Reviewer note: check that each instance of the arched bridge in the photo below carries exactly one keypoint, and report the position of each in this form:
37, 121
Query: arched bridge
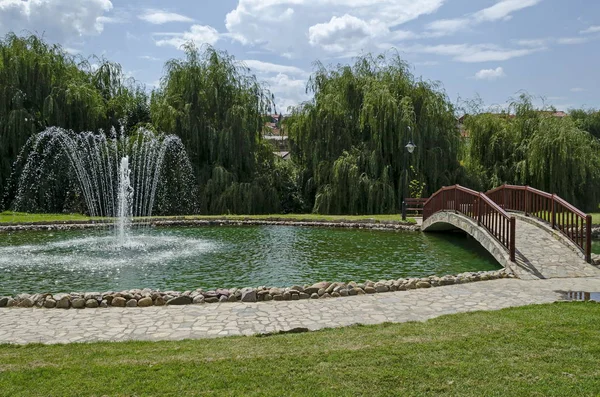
533, 233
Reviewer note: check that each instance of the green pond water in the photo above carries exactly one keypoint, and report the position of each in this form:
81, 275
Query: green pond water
596, 246
231, 256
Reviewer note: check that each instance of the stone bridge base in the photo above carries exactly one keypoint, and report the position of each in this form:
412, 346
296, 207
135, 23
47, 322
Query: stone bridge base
446, 220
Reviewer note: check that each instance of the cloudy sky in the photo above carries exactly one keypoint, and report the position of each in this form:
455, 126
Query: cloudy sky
490, 48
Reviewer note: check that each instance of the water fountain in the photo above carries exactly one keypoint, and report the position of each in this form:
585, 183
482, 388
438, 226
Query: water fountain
123, 177
118, 175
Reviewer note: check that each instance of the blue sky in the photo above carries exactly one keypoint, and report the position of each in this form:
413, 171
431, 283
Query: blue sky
488, 48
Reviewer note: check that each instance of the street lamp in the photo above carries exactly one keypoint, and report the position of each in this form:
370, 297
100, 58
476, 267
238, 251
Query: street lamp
410, 147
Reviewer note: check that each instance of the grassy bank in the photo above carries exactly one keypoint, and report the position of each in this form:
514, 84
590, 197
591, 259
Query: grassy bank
549, 350
596, 218
19, 217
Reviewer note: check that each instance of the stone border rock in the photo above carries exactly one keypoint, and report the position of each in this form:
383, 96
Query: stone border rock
322, 290
384, 225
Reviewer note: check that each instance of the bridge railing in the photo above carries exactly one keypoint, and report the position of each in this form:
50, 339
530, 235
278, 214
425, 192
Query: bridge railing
561, 215
477, 206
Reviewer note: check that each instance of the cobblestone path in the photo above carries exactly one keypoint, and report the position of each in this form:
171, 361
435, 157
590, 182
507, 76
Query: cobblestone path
21, 326
539, 254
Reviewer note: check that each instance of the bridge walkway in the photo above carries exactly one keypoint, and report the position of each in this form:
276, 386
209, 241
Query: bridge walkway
535, 234
540, 254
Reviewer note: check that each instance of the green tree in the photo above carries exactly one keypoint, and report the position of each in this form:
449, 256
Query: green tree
527, 146
217, 108
41, 86
350, 140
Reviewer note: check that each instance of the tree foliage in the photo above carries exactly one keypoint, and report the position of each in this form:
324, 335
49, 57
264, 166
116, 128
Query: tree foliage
587, 120
350, 140
347, 143
526, 146
42, 86
217, 108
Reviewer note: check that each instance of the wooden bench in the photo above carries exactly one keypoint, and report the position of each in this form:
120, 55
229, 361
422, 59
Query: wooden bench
414, 205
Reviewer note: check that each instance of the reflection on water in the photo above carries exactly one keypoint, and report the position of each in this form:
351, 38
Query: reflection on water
582, 296
209, 257
596, 247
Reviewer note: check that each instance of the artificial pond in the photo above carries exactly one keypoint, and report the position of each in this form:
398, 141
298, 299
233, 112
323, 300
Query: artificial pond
226, 256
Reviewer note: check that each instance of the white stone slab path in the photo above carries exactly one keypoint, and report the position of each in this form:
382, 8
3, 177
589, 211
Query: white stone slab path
21, 326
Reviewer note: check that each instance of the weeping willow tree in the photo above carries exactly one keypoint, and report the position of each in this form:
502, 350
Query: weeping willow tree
217, 108
42, 86
526, 146
587, 120
349, 142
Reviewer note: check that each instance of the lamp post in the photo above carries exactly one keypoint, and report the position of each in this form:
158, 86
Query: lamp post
410, 147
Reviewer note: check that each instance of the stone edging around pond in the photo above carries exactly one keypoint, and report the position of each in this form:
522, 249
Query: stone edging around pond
595, 231
215, 222
321, 290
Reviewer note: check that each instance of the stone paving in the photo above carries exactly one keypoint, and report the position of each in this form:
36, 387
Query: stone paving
541, 254
22, 326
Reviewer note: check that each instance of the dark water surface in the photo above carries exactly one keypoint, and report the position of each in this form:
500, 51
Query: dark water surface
231, 256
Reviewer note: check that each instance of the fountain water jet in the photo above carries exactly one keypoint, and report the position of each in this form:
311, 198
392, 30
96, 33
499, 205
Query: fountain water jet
124, 200
118, 176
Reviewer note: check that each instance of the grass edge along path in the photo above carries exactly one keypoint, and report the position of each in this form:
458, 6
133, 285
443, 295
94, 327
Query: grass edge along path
8, 218
541, 350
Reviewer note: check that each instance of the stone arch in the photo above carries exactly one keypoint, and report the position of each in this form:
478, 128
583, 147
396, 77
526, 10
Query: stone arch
448, 220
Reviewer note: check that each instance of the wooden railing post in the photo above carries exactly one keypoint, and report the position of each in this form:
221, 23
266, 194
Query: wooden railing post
455, 205
478, 213
512, 238
588, 239
526, 197
554, 211
503, 197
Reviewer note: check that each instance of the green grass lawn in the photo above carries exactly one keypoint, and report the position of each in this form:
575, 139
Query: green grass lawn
19, 217
547, 350
595, 218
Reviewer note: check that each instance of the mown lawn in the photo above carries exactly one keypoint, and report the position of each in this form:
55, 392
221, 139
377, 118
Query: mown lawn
549, 350
19, 217
595, 218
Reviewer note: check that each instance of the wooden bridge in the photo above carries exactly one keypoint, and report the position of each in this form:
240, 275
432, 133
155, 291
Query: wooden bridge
533, 233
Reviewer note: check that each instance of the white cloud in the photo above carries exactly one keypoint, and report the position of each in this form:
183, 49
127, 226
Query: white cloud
443, 27
427, 63
288, 91
345, 33
545, 42
153, 84
591, 29
109, 20
149, 58
159, 17
472, 53
287, 83
284, 26
59, 20
502, 10
71, 50
578, 89
532, 42
266, 67
131, 36
490, 74
572, 40
198, 34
